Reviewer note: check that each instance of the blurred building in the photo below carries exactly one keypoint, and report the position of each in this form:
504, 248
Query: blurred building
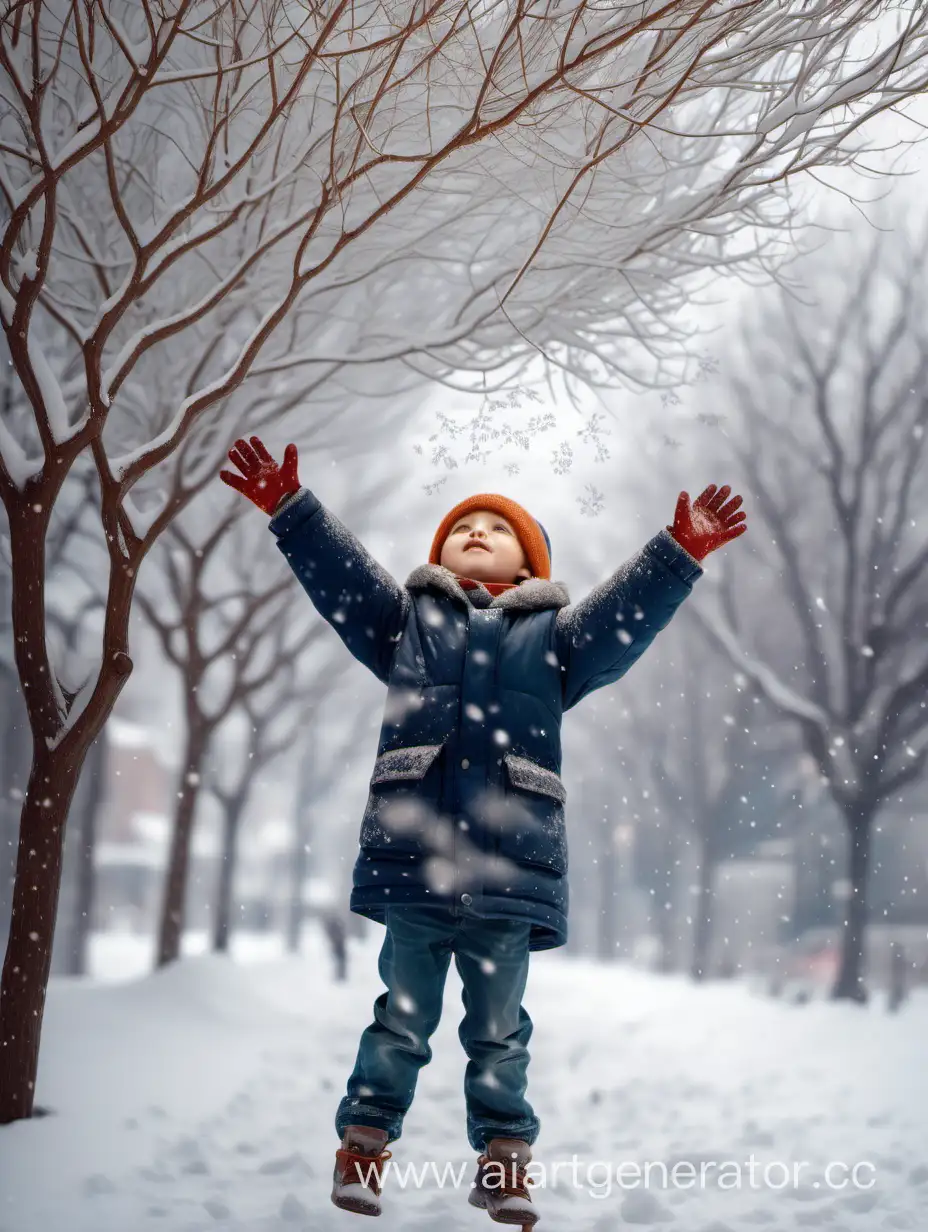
133, 838
753, 897
133, 835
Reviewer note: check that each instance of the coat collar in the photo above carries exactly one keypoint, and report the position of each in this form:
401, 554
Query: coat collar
532, 595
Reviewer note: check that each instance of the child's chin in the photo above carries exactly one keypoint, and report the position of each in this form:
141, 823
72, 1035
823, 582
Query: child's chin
479, 574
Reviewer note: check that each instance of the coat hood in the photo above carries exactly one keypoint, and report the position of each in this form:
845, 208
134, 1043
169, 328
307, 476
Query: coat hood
532, 595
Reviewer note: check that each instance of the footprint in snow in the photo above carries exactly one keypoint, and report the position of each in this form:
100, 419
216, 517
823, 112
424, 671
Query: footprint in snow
287, 1163
807, 1192
642, 1207
900, 1219
196, 1167
859, 1202
155, 1174
98, 1184
292, 1209
814, 1219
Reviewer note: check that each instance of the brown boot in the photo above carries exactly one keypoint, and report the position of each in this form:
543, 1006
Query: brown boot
501, 1186
359, 1169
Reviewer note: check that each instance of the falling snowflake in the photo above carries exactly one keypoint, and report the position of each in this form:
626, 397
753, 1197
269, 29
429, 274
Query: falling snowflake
491, 429
562, 459
441, 453
593, 433
592, 505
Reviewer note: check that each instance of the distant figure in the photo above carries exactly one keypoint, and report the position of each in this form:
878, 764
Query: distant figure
727, 967
898, 978
335, 932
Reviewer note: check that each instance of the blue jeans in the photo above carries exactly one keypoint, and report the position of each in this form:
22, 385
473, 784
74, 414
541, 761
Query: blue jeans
492, 957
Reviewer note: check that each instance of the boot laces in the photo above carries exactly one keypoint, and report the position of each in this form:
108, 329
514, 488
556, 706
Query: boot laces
365, 1170
508, 1189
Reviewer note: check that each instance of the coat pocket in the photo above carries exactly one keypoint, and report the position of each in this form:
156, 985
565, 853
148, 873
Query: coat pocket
412, 763
536, 833
402, 817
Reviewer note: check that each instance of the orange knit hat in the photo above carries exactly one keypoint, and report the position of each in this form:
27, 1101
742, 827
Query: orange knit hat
531, 533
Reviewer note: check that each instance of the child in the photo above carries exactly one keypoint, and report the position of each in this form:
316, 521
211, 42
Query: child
463, 846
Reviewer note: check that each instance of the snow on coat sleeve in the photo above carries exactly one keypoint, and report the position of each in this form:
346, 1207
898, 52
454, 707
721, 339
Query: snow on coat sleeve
600, 637
359, 599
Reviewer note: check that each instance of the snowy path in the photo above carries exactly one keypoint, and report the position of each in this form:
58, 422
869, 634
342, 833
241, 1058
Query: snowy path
204, 1098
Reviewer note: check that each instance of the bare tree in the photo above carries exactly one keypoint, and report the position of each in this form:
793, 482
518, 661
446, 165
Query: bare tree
315, 778
14, 767
698, 770
236, 629
832, 448
178, 176
72, 935
273, 725
227, 633
280, 718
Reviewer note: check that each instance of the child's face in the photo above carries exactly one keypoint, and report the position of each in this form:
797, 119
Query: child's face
482, 545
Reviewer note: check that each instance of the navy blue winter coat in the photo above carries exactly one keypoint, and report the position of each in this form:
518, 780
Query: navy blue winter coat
466, 802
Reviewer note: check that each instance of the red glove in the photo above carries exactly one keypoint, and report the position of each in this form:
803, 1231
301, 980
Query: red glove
264, 482
709, 523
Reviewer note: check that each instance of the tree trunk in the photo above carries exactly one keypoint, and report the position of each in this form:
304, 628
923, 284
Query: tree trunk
175, 889
664, 905
15, 755
302, 833
32, 927
59, 748
233, 809
82, 923
607, 933
299, 867
702, 925
850, 983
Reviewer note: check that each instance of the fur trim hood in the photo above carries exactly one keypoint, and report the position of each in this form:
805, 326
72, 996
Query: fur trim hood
532, 595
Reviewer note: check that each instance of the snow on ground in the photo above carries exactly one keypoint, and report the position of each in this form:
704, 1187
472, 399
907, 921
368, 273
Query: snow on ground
203, 1098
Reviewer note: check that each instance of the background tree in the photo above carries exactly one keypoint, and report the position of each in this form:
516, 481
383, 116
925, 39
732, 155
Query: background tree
217, 637
315, 778
236, 628
710, 753
831, 446
683, 765
279, 719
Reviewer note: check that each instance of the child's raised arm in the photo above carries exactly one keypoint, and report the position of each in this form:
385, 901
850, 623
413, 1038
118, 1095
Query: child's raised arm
348, 587
603, 635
